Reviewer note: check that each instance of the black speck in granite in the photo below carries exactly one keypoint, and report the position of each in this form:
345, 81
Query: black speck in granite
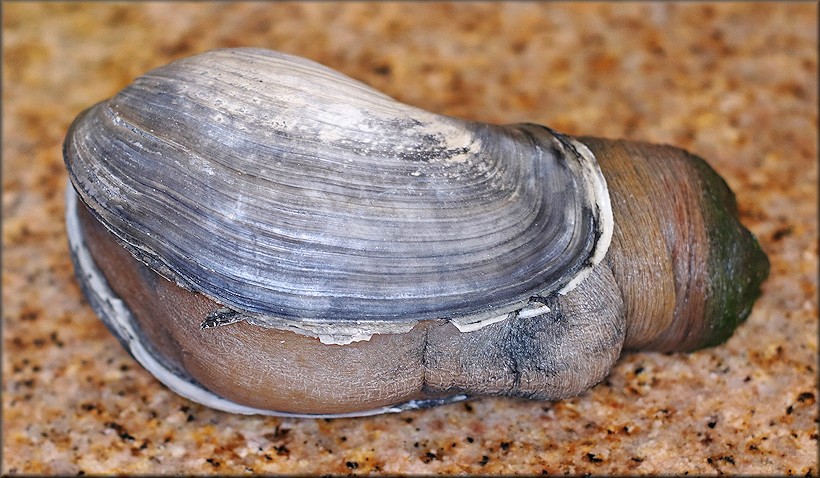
782, 232
805, 396
124, 435
383, 70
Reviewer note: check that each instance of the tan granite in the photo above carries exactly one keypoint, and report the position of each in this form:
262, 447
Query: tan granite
734, 83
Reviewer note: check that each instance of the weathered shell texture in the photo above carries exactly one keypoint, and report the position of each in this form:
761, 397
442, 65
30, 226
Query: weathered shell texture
287, 191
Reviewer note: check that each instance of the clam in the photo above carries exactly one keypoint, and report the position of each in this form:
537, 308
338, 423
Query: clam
266, 235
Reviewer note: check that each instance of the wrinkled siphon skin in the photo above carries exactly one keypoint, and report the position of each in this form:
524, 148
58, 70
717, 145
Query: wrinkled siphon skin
675, 214
680, 273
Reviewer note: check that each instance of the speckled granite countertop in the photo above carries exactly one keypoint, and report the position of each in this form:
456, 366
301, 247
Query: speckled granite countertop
734, 83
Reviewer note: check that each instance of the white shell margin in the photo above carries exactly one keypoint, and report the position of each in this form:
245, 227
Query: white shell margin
596, 189
113, 311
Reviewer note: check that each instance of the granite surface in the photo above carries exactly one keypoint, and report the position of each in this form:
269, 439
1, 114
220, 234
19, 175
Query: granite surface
734, 83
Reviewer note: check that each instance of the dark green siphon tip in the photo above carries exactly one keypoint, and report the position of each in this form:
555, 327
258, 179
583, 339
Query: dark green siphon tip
737, 265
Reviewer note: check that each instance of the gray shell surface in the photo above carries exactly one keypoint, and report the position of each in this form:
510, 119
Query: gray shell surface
293, 194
